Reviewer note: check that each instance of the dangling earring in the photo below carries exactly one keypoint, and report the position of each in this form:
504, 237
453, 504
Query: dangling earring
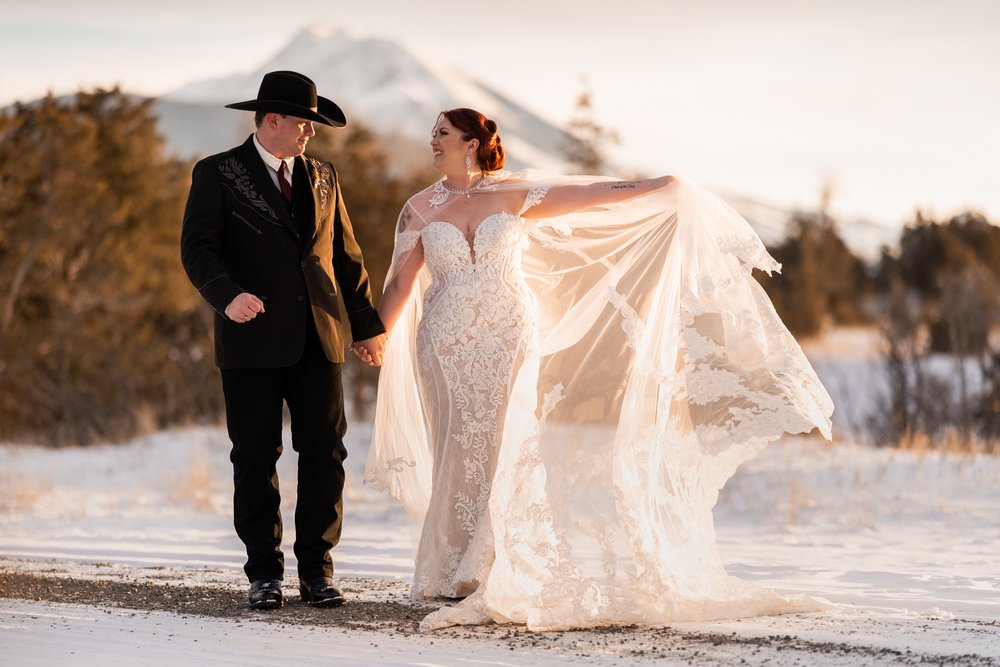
468, 161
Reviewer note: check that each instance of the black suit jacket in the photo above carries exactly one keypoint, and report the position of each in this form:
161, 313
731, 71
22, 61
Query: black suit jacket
239, 235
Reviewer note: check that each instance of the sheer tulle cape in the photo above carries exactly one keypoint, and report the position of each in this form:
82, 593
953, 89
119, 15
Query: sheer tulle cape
660, 367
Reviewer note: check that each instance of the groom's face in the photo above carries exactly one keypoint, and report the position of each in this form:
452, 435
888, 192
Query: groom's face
288, 135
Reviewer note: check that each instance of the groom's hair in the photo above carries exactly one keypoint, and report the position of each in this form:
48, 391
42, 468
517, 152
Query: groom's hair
258, 117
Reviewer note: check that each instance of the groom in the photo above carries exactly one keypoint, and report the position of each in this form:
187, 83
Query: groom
267, 242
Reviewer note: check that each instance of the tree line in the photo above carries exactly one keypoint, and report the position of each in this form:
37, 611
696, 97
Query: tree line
936, 303
101, 334
103, 337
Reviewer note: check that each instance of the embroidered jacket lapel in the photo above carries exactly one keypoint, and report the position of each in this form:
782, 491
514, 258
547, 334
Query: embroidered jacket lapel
321, 182
265, 186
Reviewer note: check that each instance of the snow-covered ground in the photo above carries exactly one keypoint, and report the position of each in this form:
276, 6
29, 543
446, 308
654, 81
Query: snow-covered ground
905, 545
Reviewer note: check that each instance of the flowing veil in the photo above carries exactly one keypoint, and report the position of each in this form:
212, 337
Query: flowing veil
659, 367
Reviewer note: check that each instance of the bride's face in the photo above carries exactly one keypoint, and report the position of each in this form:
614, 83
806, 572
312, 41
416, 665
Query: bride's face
448, 147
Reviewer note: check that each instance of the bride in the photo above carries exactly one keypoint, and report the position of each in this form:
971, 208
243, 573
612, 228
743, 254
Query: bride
575, 367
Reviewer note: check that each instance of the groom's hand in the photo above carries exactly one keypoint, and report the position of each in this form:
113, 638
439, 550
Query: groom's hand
244, 308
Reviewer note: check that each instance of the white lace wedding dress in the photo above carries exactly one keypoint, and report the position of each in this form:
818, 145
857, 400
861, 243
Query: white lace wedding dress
479, 323
563, 399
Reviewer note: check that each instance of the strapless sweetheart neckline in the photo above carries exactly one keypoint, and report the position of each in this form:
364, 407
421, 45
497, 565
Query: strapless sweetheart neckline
475, 232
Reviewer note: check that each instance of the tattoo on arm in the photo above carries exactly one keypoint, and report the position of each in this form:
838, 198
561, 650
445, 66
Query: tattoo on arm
404, 218
624, 185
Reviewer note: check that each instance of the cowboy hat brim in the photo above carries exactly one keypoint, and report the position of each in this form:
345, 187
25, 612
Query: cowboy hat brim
327, 112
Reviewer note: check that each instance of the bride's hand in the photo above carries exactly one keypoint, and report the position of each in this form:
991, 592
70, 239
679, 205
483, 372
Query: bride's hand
361, 353
370, 350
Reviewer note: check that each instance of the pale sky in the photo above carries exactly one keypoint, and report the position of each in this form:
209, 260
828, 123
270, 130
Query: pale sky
895, 102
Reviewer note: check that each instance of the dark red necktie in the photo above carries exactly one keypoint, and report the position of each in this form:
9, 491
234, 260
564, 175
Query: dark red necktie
286, 187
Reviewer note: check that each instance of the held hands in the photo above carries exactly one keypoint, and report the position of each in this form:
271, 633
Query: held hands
244, 308
370, 350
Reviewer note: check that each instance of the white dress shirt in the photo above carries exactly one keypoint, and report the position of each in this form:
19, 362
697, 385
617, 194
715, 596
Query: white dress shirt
274, 163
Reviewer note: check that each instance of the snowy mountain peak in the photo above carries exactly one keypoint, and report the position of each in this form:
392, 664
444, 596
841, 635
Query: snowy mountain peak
325, 32
388, 87
393, 90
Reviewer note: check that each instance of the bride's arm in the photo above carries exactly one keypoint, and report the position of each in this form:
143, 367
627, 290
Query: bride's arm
562, 199
398, 290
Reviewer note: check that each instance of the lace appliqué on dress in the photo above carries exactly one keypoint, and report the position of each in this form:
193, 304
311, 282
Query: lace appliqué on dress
535, 195
632, 324
438, 195
574, 480
477, 327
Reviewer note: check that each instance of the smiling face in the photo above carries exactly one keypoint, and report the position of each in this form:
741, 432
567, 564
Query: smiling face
285, 136
450, 149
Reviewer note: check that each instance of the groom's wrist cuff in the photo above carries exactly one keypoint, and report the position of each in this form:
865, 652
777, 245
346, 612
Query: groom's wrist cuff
219, 292
365, 323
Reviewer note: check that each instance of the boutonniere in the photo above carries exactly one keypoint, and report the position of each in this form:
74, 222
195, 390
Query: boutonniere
322, 180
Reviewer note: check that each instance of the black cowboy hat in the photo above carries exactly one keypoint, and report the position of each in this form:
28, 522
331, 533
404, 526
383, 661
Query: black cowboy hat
293, 94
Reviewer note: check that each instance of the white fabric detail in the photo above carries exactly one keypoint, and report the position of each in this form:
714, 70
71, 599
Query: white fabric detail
562, 400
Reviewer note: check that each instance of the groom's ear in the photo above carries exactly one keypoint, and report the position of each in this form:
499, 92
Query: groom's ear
262, 117
271, 119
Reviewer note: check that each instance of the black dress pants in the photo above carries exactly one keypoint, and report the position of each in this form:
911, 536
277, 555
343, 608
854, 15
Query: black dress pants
313, 391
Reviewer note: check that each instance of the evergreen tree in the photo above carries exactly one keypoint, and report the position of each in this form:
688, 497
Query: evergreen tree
822, 282
586, 140
99, 328
949, 272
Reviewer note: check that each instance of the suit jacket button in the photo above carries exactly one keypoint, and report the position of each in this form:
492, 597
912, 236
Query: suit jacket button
301, 298
303, 265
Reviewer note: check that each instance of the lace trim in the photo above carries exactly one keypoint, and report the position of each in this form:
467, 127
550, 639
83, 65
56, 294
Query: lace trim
535, 195
438, 195
405, 242
750, 251
632, 324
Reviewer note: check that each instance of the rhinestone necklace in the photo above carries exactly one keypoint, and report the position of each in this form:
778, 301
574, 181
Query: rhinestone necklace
466, 191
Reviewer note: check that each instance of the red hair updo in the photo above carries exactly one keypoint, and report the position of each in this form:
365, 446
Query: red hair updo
474, 125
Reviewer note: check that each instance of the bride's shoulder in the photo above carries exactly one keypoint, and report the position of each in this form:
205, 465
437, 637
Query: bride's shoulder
513, 184
527, 180
504, 179
423, 194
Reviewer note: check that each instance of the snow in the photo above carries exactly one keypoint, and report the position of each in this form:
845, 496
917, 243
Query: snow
85, 635
905, 545
847, 361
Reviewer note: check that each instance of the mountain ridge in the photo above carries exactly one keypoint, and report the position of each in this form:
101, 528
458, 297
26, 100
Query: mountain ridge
398, 94
391, 89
